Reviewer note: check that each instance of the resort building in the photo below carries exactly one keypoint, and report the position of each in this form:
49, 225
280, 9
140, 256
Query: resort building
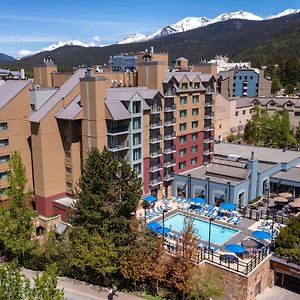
238, 174
158, 119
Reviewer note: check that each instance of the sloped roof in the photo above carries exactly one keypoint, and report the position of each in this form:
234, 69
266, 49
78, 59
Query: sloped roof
117, 110
71, 111
227, 171
243, 102
64, 90
10, 89
181, 59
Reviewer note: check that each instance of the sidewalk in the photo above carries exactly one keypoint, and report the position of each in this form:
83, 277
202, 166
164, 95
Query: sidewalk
78, 290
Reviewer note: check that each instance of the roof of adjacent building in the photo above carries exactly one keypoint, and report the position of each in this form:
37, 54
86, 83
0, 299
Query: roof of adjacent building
279, 101
191, 76
227, 171
66, 201
264, 154
64, 90
243, 102
71, 111
181, 59
292, 174
10, 89
117, 110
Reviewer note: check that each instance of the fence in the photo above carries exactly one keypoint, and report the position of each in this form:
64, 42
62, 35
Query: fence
257, 215
238, 266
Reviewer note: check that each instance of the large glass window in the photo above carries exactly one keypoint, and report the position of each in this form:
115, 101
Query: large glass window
137, 168
194, 136
197, 85
183, 100
184, 86
182, 126
195, 99
137, 139
136, 107
137, 154
195, 111
194, 161
195, 124
195, 149
4, 142
183, 113
182, 139
136, 123
3, 126
182, 152
182, 165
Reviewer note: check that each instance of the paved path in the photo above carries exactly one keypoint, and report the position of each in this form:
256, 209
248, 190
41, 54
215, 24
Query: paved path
77, 290
277, 293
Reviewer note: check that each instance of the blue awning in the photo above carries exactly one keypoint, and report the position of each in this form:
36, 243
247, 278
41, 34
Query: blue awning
228, 206
154, 226
235, 248
150, 198
259, 234
164, 230
197, 200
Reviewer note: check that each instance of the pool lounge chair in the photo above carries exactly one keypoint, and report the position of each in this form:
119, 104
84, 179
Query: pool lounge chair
155, 212
168, 207
237, 220
230, 219
149, 215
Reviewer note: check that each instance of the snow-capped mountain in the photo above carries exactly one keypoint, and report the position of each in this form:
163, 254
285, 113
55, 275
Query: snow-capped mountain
190, 23
132, 38
286, 12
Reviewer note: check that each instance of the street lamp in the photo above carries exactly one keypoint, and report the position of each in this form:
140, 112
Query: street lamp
209, 231
163, 224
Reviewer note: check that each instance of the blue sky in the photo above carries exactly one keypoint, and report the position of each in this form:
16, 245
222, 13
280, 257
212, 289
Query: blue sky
36, 24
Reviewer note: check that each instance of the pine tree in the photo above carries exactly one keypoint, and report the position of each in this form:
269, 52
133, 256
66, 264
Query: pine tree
297, 136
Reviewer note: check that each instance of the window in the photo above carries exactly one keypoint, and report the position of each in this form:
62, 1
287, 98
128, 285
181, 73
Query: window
194, 161
66, 124
182, 165
136, 123
244, 111
3, 126
184, 86
136, 107
297, 113
137, 139
68, 169
69, 184
233, 90
4, 142
251, 77
137, 168
246, 77
197, 85
220, 126
68, 154
183, 113
233, 85
4, 158
236, 113
195, 111
240, 77
67, 139
195, 99
3, 175
195, 124
183, 100
32, 107
234, 77
182, 126
182, 152
137, 154
194, 149
194, 136
182, 139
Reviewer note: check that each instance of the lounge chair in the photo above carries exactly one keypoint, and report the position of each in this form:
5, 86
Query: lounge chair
149, 215
168, 207
155, 212
230, 219
237, 220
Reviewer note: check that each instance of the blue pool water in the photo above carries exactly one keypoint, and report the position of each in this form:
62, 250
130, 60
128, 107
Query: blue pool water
219, 234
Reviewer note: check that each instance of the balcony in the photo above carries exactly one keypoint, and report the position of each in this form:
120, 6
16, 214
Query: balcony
170, 122
170, 108
208, 128
207, 141
155, 182
171, 136
208, 104
170, 150
155, 125
209, 90
156, 168
207, 152
170, 93
117, 131
155, 153
208, 116
168, 177
157, 139
119, 147
169, 164
156, 109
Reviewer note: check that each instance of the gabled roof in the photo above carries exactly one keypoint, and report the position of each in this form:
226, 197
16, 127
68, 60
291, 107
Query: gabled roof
181, 59
117, 110
71, 111
64, 90
10, 89
243, 102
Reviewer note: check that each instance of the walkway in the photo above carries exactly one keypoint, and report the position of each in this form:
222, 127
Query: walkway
277, 293
78, 290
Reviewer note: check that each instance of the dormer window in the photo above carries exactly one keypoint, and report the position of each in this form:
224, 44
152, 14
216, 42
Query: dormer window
184, 86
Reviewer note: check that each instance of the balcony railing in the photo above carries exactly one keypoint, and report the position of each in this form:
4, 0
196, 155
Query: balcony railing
170, 163
155, 182
157, 139
119, 147
170, 122
207, 141
117, 130
208, 104
170, 136
168, 177
155, 168
170, 150
155, 125
208, 128
207, 152
170, 108
155, 153
208, 116
170, 93
156, 110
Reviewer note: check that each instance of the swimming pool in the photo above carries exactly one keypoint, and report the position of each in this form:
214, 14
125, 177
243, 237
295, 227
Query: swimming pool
219, 234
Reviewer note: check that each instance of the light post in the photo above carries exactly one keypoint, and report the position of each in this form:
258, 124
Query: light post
209, 232
163, 223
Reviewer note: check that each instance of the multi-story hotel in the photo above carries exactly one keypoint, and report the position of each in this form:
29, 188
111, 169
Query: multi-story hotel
158, 119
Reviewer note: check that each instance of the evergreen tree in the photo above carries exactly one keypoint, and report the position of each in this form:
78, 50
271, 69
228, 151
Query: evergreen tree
297, 136
107, 196
16, 221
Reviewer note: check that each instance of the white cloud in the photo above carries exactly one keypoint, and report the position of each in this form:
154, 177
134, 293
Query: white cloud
97, 38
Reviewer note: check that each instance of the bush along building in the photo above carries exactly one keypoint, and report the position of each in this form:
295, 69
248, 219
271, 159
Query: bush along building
159, 119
